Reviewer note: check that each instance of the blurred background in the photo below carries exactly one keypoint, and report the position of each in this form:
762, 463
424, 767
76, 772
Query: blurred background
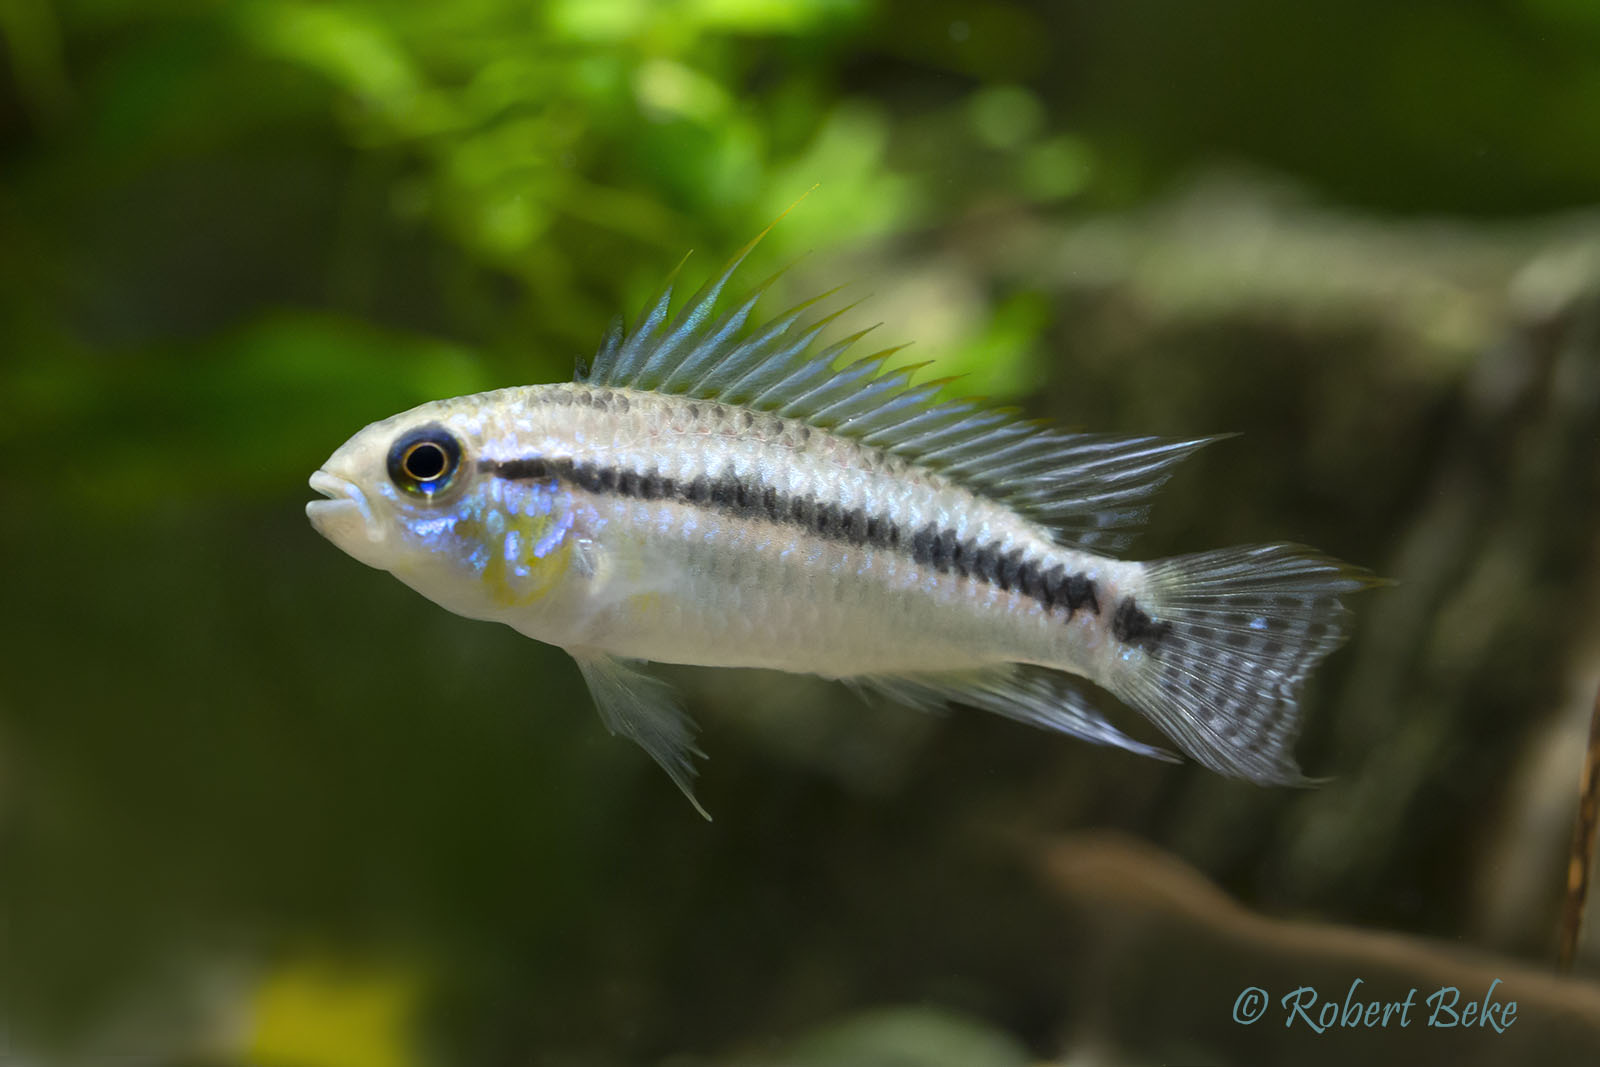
260, 805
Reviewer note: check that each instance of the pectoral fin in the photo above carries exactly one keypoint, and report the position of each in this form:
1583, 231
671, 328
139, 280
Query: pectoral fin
645, 710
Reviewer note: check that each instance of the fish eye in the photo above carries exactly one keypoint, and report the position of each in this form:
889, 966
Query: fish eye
424, 461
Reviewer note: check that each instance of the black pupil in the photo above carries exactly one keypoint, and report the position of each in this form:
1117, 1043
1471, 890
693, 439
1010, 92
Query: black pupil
426, 462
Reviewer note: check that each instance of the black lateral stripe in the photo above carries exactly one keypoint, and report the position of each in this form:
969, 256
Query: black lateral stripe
943, 550
517, 470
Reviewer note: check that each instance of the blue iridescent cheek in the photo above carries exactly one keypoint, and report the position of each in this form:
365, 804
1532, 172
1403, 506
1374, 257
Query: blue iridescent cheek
554, 535
507, 527
433, 531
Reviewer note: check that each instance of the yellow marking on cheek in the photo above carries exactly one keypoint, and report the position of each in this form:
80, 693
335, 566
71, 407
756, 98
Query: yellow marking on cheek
525, 577
510, 589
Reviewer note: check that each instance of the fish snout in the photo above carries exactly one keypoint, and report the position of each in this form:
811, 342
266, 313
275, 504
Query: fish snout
344, 514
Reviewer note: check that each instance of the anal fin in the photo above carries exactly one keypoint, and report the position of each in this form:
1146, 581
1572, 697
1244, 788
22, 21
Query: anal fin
1031, 695
645, 710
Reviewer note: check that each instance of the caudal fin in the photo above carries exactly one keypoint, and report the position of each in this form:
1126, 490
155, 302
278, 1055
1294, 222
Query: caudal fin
1240, 630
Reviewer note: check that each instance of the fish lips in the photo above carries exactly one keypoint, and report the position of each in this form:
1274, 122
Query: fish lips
345, 517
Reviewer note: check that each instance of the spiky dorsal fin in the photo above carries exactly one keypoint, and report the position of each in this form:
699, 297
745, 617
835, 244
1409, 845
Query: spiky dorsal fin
1089, 488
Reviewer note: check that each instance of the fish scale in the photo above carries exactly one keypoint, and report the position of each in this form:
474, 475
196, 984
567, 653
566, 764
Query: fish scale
707, 561
720, 492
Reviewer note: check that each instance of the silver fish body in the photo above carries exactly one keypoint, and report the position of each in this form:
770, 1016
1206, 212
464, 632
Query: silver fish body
725, 497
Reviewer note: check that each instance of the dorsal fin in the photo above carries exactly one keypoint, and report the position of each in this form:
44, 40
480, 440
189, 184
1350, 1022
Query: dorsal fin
1089, 488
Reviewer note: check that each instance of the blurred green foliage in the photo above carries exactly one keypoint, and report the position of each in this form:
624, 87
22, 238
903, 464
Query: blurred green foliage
231, 233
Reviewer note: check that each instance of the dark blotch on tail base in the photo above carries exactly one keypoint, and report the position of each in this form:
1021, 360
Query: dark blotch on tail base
1132, 626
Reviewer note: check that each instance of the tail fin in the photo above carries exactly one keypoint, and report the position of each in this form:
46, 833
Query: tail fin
1241, 630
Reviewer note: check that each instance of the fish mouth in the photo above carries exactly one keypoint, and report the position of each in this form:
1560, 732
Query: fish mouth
345, 506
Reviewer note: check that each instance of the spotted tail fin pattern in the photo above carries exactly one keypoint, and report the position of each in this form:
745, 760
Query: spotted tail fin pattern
1243, 628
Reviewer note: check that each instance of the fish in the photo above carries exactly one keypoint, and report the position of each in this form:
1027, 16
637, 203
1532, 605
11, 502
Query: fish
721, 489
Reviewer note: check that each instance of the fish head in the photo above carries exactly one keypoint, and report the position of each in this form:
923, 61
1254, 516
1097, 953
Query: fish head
413, 495
394, 479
